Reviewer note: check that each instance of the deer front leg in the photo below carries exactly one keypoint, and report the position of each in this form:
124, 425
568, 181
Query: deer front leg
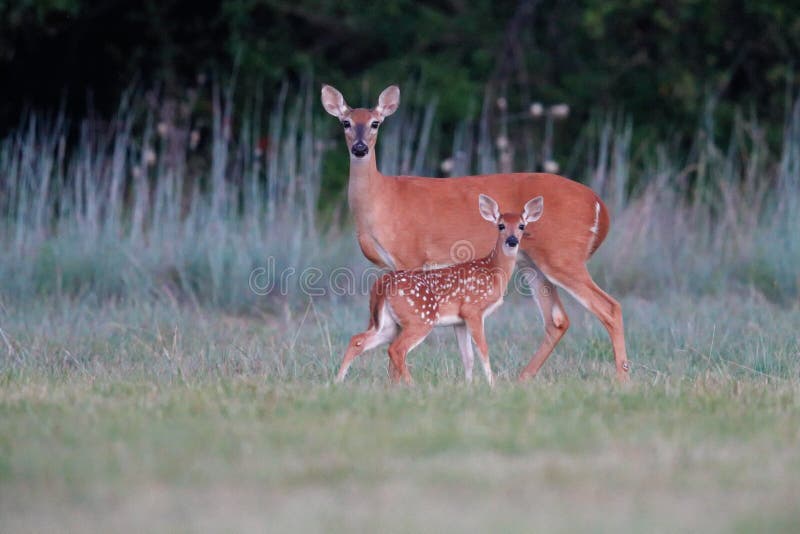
555, 319
475, 326
465, 347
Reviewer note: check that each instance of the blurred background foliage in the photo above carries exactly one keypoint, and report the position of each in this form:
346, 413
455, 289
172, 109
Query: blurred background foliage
659, 60
166, 147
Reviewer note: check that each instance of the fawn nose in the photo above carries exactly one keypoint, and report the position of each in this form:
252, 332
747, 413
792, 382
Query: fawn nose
512, 241
359, 149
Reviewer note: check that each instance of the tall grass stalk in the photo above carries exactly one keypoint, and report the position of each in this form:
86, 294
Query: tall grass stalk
157, 201
171, 199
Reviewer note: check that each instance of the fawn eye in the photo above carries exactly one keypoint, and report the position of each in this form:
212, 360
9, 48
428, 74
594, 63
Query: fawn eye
501, 226
346, 124
521, 226
375, 125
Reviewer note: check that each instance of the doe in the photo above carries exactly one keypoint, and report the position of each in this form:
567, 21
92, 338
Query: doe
406, 305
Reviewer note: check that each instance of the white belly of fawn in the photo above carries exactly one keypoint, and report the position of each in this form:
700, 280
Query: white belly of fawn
406, 305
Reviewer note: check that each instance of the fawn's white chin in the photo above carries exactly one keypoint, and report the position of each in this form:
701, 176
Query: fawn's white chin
510, 251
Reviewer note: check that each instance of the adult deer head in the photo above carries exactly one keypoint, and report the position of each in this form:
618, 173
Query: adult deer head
360, 124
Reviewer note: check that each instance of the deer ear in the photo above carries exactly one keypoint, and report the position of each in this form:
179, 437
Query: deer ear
333, 101
389, 101
533, 209
488, 208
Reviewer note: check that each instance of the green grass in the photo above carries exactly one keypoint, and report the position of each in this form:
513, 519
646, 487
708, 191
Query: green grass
148, 417
144, 385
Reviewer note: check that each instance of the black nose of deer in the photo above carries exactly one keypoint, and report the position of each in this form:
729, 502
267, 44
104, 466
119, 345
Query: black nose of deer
512, 241
359, 149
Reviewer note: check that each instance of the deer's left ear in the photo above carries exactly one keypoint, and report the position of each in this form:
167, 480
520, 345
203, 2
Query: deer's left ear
389, 101
488, 208
333, 101
533, 209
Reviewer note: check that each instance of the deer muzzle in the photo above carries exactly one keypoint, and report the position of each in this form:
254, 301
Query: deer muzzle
360, 149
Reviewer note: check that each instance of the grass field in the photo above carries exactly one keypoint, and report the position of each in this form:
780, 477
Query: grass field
150, 417
146, 385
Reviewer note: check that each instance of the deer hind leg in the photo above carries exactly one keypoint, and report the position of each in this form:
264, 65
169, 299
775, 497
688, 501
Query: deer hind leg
384, 332
465, 347
409, 337
554, 316
475, 326
580, 285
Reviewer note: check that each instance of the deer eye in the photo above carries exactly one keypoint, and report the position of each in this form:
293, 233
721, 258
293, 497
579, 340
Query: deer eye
375, 125
501, 226
346, 124
521, 226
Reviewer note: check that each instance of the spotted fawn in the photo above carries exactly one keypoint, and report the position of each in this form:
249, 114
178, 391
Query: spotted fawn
406, 305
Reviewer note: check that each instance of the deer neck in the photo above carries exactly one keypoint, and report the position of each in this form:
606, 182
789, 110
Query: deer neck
363, 186
502, 264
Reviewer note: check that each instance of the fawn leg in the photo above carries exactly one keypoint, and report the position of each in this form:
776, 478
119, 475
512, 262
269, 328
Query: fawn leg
475, 325
360, 343
409, 337
465, 346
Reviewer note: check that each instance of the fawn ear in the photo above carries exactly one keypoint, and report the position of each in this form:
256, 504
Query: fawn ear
488, 208
533, 209
333, 101
389, 101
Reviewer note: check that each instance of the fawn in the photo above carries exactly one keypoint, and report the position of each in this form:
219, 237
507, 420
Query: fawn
406, 305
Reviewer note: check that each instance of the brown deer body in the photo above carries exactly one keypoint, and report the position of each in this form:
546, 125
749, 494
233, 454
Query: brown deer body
406, 305
575, 225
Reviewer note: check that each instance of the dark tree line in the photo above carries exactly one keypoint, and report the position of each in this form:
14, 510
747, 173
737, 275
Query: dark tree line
659, 60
